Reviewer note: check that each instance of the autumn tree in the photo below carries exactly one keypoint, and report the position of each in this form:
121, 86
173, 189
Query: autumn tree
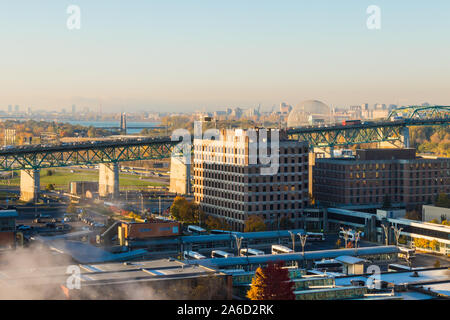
176, 206
254, 223
271, 283
186, 211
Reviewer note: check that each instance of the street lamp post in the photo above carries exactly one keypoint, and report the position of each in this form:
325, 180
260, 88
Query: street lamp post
386, 233
238, 243
357, 237
303, 242
293, 240
397, 233
346, 235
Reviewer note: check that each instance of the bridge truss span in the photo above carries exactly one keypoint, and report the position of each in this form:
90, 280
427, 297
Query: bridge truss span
85, 154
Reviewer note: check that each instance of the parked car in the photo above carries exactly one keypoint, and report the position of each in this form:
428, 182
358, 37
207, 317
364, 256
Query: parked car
24, 228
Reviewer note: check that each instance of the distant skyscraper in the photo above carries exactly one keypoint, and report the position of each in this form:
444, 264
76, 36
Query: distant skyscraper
16, 108
123, 122
74, 109
10, 109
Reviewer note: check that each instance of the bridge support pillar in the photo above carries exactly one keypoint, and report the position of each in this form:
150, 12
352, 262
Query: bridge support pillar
406, 137
331, 150
29, 185
180, 178
108, 182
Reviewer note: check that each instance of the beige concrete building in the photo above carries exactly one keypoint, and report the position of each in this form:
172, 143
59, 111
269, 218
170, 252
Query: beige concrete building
230, 181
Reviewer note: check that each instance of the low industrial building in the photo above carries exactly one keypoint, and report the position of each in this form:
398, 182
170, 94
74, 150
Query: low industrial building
8, 229
80, 188
439, 214
371, 225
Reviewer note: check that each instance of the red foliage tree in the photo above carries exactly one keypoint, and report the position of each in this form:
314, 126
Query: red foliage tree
272, 283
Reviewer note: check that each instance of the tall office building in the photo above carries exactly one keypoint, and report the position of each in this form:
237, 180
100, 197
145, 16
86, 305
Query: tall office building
229, 184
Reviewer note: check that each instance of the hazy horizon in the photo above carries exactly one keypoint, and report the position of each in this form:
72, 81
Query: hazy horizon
182, 56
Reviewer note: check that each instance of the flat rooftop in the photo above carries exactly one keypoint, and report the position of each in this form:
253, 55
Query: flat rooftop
149, 270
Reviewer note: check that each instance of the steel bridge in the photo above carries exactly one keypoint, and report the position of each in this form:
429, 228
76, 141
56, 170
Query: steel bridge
113, 151
87, 153
366, 132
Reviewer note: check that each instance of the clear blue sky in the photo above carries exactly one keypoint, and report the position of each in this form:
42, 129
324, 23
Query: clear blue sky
187, 55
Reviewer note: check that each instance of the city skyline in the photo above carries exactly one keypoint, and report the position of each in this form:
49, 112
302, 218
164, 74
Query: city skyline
183, 57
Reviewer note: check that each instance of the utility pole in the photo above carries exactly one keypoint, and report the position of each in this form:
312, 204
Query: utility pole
159, 205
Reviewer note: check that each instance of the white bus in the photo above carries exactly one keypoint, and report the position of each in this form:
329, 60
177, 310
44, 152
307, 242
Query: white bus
251, 252
278, 248
315, 236
406, 253
193, 255
221, 254
196, 230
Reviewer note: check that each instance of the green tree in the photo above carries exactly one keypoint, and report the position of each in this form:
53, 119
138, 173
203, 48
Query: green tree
437, 264
50, 187
443, 201
213, 223
254, 224
286, 223
413, 215
386, 202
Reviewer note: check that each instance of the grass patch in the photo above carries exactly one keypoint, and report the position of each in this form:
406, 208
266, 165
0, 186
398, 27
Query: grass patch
62, 177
